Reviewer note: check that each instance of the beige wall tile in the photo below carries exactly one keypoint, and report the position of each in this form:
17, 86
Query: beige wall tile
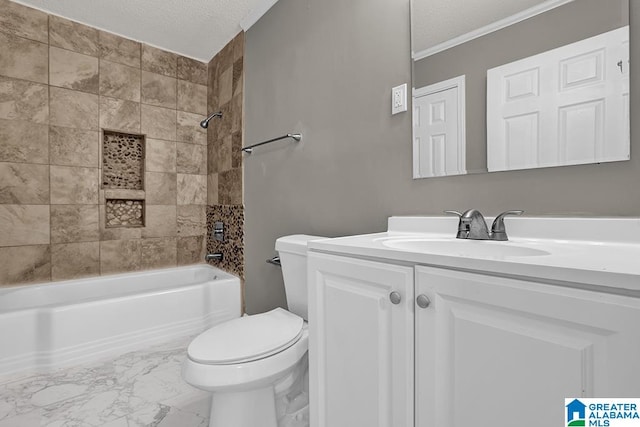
225, 86
230, 187
212, 189
160, 221
192, 97
118, 114
191, 250
224, 127
74, 147
158, 90
73, 109
238, 46
23, 142
74, 186
23, 100
24, 183
74, 223
236, 113
224, 154
24, 59
160, 188
236, 150
118, 49
73, 70
25, 264
118, 256
160, 155
158, 253
73, 36
225, 58
189, 129
23, 21
238, 77
191, 158
75, 260
213, 84
24, 225
192, 189
212, 157
159, 61
192, 220
119, 81
159, 123
192, 70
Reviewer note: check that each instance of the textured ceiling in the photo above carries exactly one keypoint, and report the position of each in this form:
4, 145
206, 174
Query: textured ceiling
195, 28
436, 21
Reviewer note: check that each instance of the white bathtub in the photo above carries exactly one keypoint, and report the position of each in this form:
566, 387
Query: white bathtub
48, 326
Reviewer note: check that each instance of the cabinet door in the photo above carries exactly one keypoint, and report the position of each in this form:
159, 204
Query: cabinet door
361, 344
504, 352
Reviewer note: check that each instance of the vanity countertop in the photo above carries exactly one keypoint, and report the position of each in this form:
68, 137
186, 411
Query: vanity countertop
598, 253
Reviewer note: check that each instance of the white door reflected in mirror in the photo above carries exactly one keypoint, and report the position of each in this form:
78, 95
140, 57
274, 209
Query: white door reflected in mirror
439, 129
566, 106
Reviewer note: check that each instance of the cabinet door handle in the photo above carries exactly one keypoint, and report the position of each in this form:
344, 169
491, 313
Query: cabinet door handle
423, 301
395, 297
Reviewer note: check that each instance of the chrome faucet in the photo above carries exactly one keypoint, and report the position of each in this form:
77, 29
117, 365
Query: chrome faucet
215, 256
473, 226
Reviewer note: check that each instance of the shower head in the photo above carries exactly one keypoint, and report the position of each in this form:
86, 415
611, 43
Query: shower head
205, 122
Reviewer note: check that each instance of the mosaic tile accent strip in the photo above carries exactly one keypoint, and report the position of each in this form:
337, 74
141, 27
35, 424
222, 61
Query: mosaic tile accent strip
123, 160
232, 247
124, 213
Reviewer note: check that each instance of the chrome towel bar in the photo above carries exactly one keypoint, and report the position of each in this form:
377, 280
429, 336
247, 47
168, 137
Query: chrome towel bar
295, 136
275, 261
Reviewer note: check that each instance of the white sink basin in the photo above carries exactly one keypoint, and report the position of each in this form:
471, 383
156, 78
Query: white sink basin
464, 248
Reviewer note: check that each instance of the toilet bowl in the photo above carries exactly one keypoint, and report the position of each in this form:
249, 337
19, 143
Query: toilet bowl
256, 366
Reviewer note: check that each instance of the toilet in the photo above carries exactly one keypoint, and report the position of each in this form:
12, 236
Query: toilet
256, 366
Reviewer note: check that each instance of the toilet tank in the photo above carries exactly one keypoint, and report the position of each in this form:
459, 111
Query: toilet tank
293, 257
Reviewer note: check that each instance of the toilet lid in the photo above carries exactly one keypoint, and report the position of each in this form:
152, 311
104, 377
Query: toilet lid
247, 338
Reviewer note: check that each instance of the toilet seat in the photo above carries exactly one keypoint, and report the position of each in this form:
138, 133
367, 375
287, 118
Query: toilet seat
247, 338
249, 375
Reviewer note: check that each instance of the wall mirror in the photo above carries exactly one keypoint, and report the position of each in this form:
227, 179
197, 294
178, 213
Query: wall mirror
518, 84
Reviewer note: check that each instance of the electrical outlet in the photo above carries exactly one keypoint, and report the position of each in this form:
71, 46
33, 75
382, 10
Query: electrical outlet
399, 99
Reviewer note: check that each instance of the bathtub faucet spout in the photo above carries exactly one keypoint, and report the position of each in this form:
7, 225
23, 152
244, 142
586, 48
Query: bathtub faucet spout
211, 257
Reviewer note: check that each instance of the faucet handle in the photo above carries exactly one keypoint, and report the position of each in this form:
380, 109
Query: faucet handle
498, 231
463, 229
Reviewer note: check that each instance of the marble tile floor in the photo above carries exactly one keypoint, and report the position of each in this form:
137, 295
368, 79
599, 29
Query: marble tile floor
141, 388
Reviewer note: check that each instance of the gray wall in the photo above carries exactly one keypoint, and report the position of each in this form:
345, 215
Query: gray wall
566, 24
326, 68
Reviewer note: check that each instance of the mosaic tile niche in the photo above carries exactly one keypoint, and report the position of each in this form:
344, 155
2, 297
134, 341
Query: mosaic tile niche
122, 161
123, 171
124, 213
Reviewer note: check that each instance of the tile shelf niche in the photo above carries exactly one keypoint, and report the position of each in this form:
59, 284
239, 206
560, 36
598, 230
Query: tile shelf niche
124, 213
123, 159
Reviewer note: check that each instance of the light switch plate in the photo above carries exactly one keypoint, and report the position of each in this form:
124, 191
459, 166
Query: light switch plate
399, 99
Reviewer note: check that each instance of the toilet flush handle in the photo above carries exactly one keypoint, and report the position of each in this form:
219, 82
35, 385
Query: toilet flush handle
395, 297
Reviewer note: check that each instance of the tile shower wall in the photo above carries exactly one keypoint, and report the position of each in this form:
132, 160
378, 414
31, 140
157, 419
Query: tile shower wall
224, 154
61, 83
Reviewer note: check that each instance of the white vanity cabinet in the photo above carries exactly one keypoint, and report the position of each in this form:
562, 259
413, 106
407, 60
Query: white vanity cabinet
361, 343
479, 349
500, 351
